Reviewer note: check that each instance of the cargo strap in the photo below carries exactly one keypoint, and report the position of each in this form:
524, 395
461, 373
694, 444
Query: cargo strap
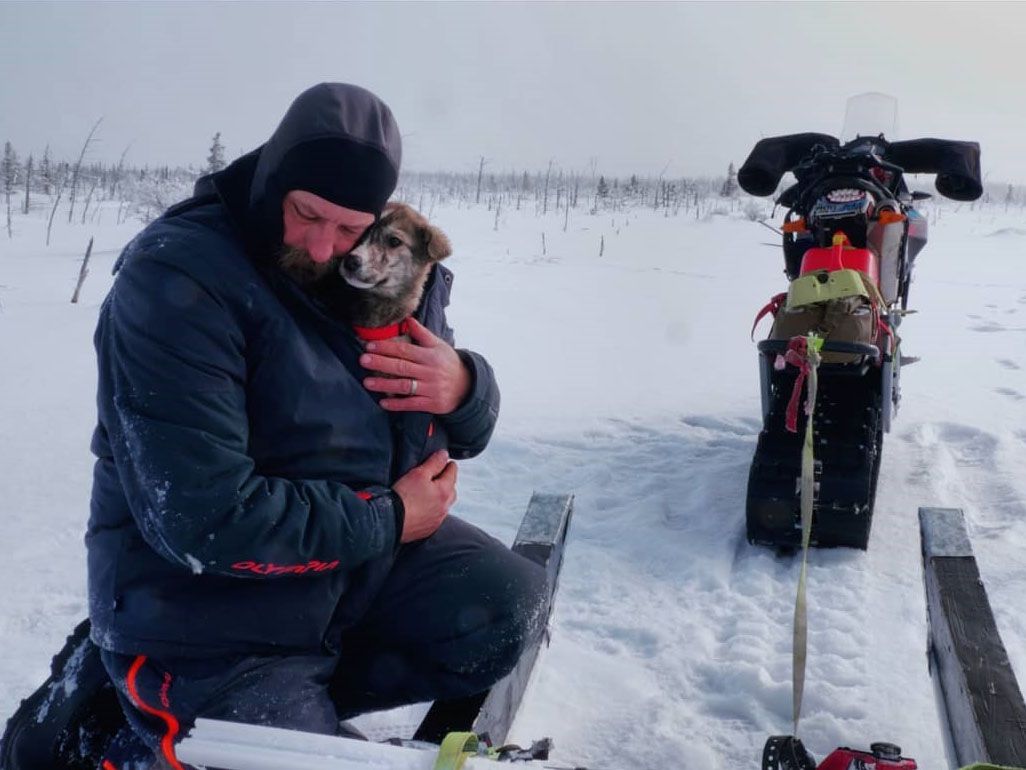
455, 749
773, 306
809, 359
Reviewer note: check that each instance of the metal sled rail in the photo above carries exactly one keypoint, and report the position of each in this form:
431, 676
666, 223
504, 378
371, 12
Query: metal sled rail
213, 743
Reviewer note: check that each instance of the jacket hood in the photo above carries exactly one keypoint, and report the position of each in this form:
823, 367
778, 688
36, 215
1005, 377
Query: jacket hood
338, 141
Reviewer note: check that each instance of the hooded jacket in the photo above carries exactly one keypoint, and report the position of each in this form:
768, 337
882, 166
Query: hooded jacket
242, 497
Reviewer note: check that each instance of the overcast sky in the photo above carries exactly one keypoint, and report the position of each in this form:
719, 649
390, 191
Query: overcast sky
631, 87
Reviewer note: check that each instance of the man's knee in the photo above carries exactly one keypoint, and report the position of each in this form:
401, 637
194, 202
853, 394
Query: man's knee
513, 619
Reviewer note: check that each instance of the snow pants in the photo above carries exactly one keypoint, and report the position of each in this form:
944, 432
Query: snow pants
450, 618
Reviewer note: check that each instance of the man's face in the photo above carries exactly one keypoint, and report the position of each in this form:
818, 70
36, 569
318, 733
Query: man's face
317, 231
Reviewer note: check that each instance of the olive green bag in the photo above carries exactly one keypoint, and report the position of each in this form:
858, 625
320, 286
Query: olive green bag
837, 305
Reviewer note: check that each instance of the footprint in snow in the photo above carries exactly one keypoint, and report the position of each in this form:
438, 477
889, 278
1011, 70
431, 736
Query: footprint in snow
1010, 393
991, 326
1008, 363
963, 467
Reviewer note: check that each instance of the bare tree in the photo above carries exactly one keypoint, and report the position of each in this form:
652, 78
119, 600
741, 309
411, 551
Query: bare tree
9, 174
89, 198
78, 169
118, 173
83, 272
28, 184
480, 170
545, 198
58, 186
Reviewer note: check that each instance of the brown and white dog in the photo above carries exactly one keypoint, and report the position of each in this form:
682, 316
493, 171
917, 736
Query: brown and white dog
383, 277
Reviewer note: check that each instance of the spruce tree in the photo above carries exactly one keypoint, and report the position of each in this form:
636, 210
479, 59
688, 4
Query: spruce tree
729, 189
215, 160
46, 171
9, 174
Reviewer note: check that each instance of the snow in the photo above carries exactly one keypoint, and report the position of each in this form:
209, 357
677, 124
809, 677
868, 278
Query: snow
630, 380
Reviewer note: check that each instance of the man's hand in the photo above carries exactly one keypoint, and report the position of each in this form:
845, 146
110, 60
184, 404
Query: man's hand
428, 492
428, 376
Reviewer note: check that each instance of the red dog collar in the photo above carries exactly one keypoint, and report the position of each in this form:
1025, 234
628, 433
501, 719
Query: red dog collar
376, 333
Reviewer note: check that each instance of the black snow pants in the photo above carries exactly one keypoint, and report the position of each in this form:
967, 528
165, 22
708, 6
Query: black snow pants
450, 618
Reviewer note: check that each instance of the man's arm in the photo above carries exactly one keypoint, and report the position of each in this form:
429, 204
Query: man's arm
471, 425
429, 375
179, 434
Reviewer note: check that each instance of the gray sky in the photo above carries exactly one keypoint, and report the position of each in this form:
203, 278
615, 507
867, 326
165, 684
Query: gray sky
685, 87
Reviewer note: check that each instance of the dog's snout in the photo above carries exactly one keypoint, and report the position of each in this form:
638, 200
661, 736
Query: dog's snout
351, 262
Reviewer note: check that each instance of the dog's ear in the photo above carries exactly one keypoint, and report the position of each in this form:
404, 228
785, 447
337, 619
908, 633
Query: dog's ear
436, 243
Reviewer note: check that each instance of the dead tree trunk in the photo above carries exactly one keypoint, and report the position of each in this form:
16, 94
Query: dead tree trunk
53, 211
83, 272
28, 184
480, 171
78, 168
545, 196
88, 200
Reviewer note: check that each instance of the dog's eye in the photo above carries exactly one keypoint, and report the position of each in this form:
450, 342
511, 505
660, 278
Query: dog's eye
394, 242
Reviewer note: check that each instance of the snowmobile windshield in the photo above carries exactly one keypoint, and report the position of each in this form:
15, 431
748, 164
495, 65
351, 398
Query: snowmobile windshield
870, 114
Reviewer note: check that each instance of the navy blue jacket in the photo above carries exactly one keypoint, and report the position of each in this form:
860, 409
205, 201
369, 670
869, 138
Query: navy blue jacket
241, 500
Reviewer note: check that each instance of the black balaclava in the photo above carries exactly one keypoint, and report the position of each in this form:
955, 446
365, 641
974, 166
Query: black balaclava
338, 141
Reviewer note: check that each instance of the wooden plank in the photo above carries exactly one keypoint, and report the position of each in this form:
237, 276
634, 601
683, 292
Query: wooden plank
985, 711
541, 538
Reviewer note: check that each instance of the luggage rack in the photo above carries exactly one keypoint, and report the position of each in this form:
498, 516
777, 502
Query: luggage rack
829, 346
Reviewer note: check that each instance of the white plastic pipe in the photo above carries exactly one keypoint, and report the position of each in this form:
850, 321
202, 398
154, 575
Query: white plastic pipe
235, 746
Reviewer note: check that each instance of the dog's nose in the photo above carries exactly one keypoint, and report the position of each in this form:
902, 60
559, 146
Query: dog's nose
351, 262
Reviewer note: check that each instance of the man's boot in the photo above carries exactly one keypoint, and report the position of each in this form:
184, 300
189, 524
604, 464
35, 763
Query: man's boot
69, 721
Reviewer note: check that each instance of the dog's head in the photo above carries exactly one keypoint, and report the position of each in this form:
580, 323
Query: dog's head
394, 256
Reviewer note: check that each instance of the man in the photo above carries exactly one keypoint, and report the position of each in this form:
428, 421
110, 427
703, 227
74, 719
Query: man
264, 545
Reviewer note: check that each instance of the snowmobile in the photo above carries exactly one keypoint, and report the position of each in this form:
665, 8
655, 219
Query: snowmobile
851, 235
785, 752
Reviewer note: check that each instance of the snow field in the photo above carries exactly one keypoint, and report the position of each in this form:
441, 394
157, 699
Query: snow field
629, 379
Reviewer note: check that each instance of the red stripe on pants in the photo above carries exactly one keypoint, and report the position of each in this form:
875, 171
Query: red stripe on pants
167, 745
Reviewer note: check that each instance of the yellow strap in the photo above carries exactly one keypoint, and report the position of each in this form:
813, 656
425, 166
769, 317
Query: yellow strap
808, 481
455, 749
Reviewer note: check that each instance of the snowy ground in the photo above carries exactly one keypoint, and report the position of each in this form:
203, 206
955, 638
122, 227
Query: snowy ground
629, 379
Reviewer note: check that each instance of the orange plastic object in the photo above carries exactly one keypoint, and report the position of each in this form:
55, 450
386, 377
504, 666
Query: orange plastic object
888, 217
795, 226
840, 256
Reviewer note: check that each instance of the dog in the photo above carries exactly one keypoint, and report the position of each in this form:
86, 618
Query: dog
383, 277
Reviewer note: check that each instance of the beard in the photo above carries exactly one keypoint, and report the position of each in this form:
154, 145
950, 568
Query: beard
298, 265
